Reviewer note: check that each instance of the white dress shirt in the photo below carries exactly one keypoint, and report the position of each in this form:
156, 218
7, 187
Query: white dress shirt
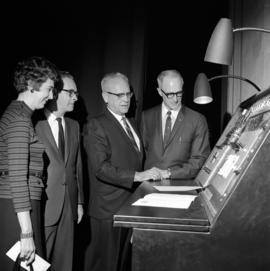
54, 124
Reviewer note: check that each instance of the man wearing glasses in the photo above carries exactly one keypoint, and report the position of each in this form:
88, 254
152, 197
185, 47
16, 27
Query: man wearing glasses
175, 137
63, 186
115, 155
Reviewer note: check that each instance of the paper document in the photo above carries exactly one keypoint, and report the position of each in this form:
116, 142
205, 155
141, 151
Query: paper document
170, 188
165, 200
38, 265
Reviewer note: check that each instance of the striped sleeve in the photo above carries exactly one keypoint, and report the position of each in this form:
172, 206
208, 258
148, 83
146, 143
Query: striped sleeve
17, 138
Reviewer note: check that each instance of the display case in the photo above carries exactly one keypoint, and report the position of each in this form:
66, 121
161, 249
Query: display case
227, 227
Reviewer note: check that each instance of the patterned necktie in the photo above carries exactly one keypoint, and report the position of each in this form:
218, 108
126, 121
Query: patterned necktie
130, 135
61, 138
168, 128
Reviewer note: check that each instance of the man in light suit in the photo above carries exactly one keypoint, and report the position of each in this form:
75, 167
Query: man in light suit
115, 154
64, 196
175, 137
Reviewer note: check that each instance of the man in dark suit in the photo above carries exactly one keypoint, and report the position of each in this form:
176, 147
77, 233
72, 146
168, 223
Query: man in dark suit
64, 197
115, 155
175, 137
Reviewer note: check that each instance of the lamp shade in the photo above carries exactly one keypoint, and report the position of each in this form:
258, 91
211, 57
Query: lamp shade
202, 90
220, 46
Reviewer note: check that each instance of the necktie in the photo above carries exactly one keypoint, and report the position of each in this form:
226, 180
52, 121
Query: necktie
168, 128
61, 138
130, 135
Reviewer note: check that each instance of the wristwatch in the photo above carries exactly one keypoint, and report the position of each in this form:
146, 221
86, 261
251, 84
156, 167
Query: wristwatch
27, 235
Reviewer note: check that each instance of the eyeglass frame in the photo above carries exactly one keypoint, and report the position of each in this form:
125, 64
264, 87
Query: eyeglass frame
122, 95
71, 92
170, 95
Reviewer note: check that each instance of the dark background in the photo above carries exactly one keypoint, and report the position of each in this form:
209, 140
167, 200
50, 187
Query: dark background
75, 37
177, 39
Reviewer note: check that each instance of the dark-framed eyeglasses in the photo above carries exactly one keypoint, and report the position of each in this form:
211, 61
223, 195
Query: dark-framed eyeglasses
170, 95
71, 92
121, 95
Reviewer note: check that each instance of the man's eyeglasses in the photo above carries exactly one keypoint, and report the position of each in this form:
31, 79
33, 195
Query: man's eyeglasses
170, 95
122, 95
72, 92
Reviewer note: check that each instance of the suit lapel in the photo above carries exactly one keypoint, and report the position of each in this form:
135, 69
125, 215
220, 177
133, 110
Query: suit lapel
158, 120
67, 139
47, 132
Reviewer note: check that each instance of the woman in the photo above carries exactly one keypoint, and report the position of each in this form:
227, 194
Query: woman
21, 161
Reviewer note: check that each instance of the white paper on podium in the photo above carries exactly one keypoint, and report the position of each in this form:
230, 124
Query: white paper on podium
178, 188
166, 200
38, 265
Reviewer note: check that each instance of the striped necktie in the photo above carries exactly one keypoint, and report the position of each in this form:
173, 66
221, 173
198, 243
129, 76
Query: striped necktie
168, 128
130, 135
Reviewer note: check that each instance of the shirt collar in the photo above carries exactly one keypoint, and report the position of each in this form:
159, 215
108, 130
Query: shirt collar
165, 110
51, 117
118, 117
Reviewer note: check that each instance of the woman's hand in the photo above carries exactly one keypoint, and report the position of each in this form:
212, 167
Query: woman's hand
27, 250
27, 242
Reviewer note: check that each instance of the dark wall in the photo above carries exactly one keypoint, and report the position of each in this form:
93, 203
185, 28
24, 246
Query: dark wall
71, 36
89, 41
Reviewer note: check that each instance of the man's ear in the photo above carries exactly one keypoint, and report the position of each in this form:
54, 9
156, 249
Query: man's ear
159, 92
105, 97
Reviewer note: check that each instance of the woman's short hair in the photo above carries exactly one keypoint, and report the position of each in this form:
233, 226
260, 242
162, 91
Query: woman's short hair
34, 70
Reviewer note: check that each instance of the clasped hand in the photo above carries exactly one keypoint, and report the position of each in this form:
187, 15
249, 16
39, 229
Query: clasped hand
151, 174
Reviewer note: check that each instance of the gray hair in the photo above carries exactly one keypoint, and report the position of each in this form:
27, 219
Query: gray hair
111, 76
169, 73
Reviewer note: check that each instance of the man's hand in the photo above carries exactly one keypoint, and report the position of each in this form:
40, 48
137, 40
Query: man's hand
79, 213
150, 174
164, 173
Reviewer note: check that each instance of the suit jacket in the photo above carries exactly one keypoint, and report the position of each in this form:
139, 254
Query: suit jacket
188, 145
61, 173
113, 161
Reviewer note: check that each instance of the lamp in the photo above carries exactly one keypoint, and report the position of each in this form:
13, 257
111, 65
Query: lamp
220, 46
202, 89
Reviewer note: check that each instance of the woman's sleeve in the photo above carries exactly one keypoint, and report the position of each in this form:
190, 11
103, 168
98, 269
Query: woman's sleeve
17, 138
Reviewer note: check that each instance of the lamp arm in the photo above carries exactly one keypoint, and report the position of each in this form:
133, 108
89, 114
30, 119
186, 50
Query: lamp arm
251, 29
236, 77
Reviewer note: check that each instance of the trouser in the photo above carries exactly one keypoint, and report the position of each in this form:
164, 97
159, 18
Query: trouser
60, 240
110, 248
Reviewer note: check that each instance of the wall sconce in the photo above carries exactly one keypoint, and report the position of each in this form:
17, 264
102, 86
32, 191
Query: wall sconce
220, 46
202, 91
